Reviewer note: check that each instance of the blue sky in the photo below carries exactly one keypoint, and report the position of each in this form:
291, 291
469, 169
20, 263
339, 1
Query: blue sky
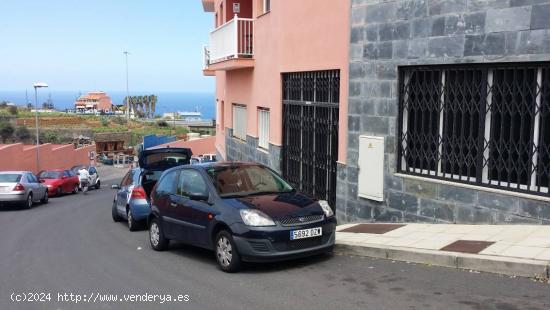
78, 44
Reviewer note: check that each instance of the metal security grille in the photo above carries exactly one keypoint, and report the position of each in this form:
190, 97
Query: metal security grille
310, 131
483, 124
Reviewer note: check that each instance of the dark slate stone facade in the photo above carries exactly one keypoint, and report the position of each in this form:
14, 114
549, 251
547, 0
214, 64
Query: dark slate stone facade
386, 34
238, 150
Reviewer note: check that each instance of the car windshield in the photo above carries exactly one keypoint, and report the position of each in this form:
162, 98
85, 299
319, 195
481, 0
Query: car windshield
76, 168
242, 181
10, 178
50, 175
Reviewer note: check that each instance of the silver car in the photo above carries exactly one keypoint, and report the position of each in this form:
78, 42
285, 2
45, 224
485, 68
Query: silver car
22, 188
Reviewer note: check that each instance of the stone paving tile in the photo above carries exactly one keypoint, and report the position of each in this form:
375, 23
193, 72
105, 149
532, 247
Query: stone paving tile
522, 251
495, 249
544, 255
430, 244
479, 237
403, 242
399, 232
420, 235
539, 242
460, 229
442, 228
379, 240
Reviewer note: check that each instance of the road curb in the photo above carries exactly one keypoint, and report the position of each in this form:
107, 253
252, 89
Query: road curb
485, 263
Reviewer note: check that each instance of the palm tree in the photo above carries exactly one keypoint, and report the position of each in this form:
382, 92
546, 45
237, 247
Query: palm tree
153, 105
147, 106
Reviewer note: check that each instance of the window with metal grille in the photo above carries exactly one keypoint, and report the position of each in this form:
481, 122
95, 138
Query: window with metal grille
263, 128
483, 124
312, 86
239, 121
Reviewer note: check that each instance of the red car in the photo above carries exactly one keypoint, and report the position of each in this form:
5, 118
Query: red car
59, 181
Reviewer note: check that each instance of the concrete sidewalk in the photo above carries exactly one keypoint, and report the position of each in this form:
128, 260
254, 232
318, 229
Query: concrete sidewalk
521, 250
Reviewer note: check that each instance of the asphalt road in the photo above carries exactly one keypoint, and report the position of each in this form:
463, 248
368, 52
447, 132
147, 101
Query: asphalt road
71, 245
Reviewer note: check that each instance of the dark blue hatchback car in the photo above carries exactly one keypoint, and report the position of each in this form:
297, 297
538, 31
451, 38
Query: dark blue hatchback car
242, 211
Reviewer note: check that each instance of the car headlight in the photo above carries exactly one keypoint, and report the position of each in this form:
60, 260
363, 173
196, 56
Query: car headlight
253, 217
326, 208
48, 186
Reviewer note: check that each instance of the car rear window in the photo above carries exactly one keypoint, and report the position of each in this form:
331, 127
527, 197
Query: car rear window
50, 175
166, 159
10, 178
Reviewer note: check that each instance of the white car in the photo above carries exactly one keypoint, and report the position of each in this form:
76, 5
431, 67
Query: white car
95, 182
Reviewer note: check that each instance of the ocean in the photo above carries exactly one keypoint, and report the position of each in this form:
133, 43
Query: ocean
167, 101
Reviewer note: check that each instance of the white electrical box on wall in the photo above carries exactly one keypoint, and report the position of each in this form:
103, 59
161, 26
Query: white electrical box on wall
371, 168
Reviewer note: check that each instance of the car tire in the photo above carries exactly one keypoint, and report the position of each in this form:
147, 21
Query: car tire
44, 199
227, 255
132, 223
98, 184
75, 190
156, 236
28, 203
116, 217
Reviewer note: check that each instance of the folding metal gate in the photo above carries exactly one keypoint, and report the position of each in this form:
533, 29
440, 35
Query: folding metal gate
310, 131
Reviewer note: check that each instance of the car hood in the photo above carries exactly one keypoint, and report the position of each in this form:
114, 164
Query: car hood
279, 206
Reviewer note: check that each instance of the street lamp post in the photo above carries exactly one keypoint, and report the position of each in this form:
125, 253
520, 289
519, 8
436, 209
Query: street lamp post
36, 87
127, 89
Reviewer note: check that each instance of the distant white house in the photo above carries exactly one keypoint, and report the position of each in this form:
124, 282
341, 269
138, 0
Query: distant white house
184, 116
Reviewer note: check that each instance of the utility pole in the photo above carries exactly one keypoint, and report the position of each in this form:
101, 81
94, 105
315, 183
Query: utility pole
127, 103
36, 86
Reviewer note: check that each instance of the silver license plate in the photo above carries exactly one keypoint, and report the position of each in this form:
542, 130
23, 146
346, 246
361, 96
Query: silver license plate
306, 233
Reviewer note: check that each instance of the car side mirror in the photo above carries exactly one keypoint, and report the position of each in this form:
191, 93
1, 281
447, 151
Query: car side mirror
115, 186
41, 180
64, 177
199, 196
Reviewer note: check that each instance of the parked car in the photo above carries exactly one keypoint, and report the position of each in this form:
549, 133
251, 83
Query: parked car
22, 188
242, 211
95, 181
59, 181
206, 158
131, 201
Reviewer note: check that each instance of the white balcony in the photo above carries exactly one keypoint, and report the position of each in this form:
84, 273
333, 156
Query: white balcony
233, 42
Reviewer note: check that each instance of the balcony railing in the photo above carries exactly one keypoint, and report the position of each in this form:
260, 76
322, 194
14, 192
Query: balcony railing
232, 40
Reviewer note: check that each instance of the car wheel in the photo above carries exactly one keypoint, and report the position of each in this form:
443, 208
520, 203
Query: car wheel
227, 255
75, 190
116, 217
132, 223
28, 203
98, 184
45, 199
156, 236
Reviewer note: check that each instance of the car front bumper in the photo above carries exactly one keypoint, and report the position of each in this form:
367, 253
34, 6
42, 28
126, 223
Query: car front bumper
274, 244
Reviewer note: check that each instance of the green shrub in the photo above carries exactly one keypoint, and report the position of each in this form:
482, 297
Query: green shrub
6, 131
22, 133
120, 120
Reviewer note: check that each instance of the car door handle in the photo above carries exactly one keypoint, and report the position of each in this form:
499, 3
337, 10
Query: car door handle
173, 204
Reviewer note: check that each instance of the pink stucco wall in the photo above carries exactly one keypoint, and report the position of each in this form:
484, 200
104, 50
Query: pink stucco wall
305, 35
198, 147
23, 157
